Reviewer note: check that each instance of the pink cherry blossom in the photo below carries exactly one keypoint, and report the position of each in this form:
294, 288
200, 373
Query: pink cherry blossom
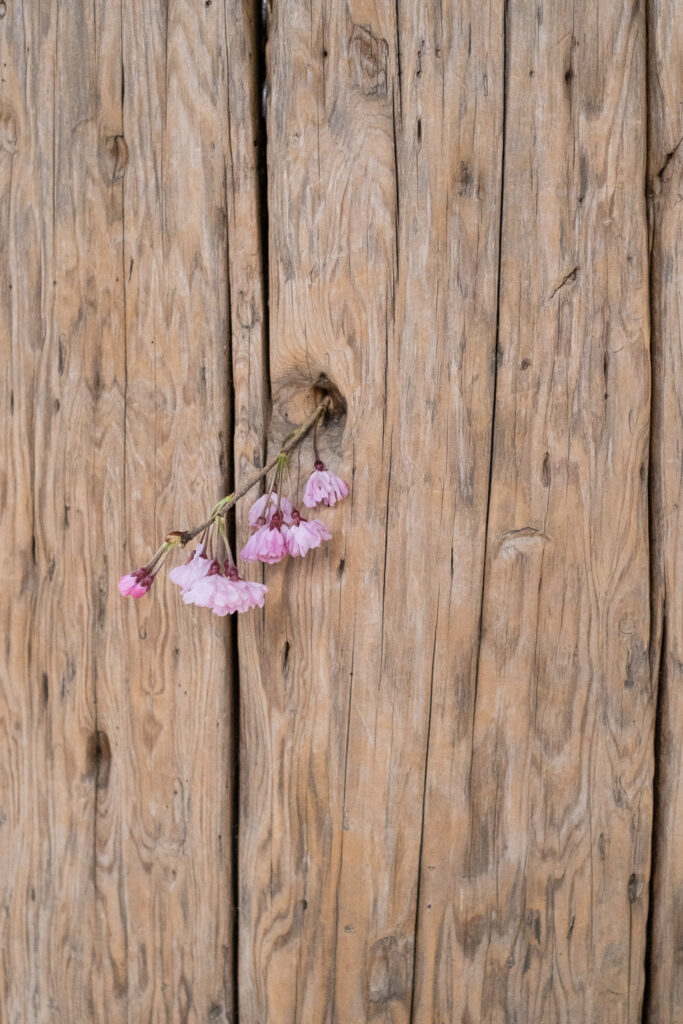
269, 544
136, 584
270, 541
324, 487
259, 509
305, 534
202, 591
233, 594
192, 571
225, 594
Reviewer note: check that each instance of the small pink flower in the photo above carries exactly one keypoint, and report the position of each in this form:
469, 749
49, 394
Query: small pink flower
196, 567
270, 541
225, 594
136, 584
324, 487
234, 594
203, 590
259, 509
305, 534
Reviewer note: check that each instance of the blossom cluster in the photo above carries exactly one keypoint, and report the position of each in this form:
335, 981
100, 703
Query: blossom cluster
210, 578
204, 582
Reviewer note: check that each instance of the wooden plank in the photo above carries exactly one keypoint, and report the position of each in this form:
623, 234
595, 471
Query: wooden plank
665, 183
116, 717
384, 214
164, 834
55, 404
547, 881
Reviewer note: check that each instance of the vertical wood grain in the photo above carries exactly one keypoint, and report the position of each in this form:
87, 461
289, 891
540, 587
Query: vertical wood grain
384, 217
169, 807
59, 393
550, 899
447, 713
116, 721
665, 188
393, 758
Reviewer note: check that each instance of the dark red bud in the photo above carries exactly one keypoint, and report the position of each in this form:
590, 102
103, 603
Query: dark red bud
319, 465
214, 568
276, 520
231, 571
144, 578
296, 516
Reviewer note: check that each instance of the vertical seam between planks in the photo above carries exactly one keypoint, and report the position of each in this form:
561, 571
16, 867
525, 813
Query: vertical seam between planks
333, 996
422, 823
233, 682
125, 301
234, 740
259, 70
657, 582
96, 749
493, 411
233, 688
261, 40
646, 1015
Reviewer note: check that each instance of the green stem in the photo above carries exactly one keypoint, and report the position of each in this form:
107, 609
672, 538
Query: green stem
292, 440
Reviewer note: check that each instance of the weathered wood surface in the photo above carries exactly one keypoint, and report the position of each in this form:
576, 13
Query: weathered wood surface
116, 721
447, 716
384, 220
665, 190
447, 804
550, 897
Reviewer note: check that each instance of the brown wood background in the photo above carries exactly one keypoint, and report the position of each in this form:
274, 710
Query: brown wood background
438, 779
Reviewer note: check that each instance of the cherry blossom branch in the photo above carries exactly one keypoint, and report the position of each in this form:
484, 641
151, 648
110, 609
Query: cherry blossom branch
225, 504
210, 582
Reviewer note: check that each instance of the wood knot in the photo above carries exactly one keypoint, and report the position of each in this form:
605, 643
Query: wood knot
98, 758
387, 971
521, 541
633, 888
8, 129
116, 149
467, 184
368, 56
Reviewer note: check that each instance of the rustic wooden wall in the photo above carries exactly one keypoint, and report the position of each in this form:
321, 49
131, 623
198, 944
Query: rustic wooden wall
439, 775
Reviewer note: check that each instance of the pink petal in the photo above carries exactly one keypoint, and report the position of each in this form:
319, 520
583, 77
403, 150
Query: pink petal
266, 545
203, 591
238, 596
191, 572
226, 597
307, 534
324, 488
259, 508
135, 584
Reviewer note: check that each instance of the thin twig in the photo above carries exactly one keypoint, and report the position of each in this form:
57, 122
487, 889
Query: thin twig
292, 441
